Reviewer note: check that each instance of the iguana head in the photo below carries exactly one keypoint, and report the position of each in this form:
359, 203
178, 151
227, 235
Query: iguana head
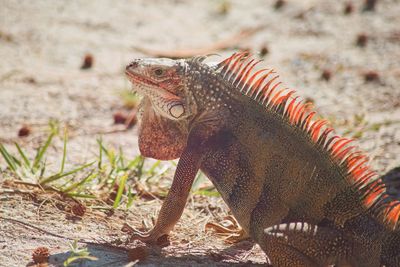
165, 109
162, 82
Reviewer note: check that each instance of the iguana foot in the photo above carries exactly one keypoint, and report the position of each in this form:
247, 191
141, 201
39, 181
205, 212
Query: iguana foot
230, 228
153, 236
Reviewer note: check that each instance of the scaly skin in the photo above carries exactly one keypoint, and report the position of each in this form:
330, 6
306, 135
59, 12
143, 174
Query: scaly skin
286, 192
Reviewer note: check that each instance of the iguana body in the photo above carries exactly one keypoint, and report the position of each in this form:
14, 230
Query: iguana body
306, 197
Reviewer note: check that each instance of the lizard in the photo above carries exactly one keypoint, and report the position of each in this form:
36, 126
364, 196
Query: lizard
308, 197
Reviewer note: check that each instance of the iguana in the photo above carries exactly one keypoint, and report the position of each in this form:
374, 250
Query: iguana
306, 196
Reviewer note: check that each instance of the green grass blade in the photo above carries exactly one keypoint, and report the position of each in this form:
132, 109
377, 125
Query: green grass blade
132, 164
110, 154
159, 172
42, 170
67, 182
60, 175
71, 259
200, 178
131, 198
16, 161
64, 150
77, 195
90, 176
110, 173
54, 126
112, 158
120, 190
8, 158
42, 151
23, 156
100, 142
151, 171
121, 158
139, 167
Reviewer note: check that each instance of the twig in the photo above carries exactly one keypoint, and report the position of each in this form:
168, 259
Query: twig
15, 191
9, 74
41, 187
220, 45
28, 225
131, 119
121, 130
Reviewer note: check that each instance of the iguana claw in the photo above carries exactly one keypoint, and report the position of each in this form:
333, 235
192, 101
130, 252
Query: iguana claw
234, 232
151, 237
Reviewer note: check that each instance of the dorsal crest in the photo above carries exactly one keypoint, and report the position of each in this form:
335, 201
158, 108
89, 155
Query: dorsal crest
264, 87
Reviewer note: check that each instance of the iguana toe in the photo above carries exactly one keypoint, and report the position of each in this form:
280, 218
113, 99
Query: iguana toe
153, 237
230, 229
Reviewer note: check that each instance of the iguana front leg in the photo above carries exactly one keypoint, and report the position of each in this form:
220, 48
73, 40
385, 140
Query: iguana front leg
175, 201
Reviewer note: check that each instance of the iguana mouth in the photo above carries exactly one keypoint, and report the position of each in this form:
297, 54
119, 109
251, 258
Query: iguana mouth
138, 79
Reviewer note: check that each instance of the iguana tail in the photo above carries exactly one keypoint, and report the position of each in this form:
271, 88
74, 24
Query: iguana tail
392, 197
392, 181
391, 245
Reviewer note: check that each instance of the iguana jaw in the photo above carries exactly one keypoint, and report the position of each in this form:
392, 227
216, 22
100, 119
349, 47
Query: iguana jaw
137, 79
146, 86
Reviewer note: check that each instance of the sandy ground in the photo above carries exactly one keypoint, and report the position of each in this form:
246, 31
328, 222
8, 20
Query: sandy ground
42, 45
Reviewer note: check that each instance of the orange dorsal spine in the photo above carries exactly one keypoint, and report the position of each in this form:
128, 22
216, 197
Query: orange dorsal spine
264, 87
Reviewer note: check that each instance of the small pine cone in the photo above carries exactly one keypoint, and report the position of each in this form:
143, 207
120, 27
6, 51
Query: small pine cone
279, 4
87, 62
78, 209
40, 255
371, 76
326, 75
24, 131
362, 40
119, 118
369, 5
264, 50
348, 8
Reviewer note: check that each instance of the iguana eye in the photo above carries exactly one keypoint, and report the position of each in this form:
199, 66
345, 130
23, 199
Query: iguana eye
158, 72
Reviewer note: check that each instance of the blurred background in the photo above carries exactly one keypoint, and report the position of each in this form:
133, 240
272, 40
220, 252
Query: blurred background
64, 60
62, 66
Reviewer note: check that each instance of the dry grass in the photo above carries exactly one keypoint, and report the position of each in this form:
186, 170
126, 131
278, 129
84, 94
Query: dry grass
87, 206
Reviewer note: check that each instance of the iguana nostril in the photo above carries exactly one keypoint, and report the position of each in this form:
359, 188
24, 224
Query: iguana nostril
132, 65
